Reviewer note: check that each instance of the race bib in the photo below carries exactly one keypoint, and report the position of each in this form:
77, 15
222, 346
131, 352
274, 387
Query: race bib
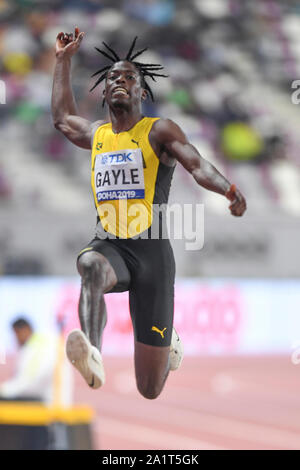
119, 175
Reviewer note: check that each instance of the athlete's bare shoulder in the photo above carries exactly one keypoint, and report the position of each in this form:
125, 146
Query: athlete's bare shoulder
163, 124
163, 131
166, 129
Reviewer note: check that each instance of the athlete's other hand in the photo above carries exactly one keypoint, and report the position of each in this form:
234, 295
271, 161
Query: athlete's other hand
67, 44
238, 202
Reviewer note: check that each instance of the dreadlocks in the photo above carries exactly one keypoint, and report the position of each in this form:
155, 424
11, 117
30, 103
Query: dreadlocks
145, 70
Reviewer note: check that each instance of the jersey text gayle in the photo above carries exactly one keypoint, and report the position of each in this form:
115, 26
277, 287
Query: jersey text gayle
114, 177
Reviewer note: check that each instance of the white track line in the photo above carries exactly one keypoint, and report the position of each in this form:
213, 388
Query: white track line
173, 414
150, 437
238, 429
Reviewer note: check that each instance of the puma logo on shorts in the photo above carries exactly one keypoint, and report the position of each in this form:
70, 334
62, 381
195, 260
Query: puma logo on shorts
161, 332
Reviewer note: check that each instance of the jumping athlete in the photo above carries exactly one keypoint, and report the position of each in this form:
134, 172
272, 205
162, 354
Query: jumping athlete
133, 160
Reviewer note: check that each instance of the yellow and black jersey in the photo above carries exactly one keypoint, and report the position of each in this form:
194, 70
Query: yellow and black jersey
130, 185
127, 179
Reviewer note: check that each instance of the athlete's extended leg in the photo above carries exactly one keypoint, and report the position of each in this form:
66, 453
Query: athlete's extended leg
97, 278
151, 368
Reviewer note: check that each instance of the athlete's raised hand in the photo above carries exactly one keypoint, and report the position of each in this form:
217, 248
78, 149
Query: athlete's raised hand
67, 43
238, 202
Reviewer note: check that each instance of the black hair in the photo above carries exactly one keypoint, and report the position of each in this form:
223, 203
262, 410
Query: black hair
21, 323
145, 70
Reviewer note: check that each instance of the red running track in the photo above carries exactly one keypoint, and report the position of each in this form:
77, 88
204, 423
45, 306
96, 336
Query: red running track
209, 403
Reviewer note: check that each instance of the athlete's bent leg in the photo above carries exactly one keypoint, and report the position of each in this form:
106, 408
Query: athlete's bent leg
83, 347
151, 368
97, 278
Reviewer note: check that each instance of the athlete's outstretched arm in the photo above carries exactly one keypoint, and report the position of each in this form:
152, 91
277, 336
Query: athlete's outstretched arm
77, 129
175, 144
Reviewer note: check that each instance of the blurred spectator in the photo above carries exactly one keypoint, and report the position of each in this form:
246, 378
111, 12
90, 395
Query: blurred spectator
16, 265
156, 12
240, 142
5, 187
34, 377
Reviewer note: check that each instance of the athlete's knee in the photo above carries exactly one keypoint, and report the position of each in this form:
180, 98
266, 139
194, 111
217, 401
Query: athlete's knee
91, 267
148, 388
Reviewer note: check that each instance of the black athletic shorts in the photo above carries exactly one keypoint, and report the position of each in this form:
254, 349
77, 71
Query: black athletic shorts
146, 268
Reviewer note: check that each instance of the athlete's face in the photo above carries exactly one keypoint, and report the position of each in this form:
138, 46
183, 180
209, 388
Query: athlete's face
123, 86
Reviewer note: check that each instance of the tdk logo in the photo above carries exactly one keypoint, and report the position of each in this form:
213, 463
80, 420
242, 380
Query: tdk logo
114, 158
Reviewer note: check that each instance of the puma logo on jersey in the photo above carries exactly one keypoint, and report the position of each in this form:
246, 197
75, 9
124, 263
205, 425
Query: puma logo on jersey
161, 332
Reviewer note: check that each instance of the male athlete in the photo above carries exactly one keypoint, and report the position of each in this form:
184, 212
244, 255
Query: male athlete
133, 160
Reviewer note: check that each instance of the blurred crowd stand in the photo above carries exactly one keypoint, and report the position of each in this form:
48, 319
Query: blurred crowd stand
230, 65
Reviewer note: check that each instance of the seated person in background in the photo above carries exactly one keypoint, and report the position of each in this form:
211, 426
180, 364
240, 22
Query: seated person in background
34, 378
